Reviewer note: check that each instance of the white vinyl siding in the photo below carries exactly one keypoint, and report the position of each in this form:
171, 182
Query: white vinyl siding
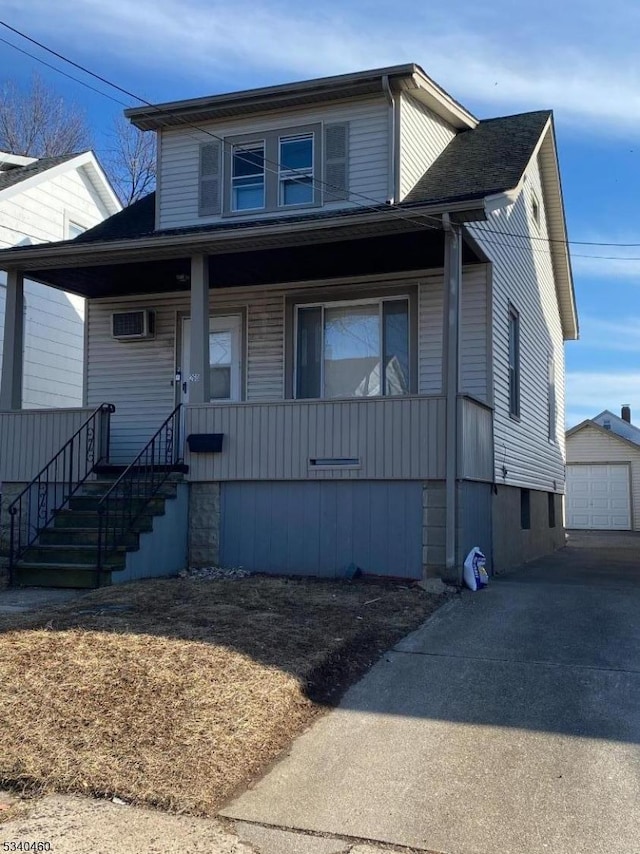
137, 376
592, 446
54, 320
423, 138
474, 333
368, 157
523, 276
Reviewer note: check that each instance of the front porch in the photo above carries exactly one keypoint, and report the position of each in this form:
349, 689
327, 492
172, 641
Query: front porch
424, 429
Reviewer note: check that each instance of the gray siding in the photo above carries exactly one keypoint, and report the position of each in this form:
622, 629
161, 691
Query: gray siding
523, 275
393, 438
475, 502
30, 438
474, 332
322, 528
423, 137
476, 444
368, 157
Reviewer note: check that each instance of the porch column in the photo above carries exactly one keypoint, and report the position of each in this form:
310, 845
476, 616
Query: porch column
198, 378
12, 348
452, 278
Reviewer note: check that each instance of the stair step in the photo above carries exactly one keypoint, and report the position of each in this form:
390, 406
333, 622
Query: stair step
81, 537
91, 503
72, 555
114, 471
60, 575
88, 519
100, 487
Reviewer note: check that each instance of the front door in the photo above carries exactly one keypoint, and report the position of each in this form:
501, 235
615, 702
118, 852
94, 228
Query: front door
225, 360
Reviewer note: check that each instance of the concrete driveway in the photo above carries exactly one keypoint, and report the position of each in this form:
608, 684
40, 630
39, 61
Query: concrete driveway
508, 724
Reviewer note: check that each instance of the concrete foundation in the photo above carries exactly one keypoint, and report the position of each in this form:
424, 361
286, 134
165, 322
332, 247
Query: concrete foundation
204, 524
514, 545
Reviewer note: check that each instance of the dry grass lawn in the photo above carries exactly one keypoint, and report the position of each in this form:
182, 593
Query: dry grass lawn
177, 693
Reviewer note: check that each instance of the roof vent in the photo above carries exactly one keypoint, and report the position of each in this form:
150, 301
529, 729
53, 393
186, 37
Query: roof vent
606, 424
625, 413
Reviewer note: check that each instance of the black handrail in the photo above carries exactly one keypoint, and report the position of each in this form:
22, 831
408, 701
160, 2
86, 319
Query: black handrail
50, 490
123, 504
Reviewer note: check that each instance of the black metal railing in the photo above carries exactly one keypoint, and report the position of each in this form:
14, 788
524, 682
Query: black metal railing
121, 507
50, 490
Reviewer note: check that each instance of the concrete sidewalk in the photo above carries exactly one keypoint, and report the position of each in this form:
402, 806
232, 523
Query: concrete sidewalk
508, 724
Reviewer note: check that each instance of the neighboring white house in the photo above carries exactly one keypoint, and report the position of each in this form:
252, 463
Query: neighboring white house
603, 473
352, 295
46, 200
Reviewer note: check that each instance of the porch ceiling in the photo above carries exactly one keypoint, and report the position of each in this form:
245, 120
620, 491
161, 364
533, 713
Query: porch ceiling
391, 253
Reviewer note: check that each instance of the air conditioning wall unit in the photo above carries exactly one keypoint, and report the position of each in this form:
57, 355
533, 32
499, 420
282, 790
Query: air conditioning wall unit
133, 325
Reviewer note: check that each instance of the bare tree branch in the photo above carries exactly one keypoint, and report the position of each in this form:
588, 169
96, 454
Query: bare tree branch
37, 122
131, 161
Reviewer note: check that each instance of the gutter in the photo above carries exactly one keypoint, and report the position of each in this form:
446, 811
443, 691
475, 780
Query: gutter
392, 188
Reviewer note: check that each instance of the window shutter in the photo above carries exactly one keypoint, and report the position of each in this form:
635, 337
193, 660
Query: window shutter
336, 162
210, 179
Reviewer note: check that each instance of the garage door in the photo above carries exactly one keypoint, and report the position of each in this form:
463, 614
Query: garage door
598, 497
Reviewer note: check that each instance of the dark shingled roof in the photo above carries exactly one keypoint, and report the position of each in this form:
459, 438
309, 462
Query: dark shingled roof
21, 173
477, 163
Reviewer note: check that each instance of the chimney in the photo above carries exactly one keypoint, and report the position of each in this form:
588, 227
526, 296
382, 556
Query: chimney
626, 413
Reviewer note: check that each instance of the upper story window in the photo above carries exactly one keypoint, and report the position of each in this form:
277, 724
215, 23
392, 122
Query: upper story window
248, 177
353, 349
535, 209
275, 170
74, 229
296, 170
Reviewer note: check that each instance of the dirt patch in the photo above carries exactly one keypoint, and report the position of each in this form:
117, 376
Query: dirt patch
177, 693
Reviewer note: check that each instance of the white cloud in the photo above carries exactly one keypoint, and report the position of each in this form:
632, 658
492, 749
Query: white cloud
484, 57
589, 392
613, 336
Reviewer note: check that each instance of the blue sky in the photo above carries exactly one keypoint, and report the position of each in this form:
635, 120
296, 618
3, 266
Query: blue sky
578, 57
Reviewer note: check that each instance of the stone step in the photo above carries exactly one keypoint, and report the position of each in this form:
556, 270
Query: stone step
83, 503
82, 537
100, 487
72, 555
89, 519
60, 575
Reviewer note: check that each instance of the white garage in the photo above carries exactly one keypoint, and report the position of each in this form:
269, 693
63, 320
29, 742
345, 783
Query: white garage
603, 475
599, 497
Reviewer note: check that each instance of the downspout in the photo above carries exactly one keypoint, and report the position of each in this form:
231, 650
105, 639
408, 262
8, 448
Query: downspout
392, 181
452, 278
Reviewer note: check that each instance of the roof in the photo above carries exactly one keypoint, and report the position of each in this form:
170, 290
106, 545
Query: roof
373, 82
16, 176
618, 426
489, 159
609, 434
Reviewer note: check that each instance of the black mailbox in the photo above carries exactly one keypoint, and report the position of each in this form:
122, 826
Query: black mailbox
205, 443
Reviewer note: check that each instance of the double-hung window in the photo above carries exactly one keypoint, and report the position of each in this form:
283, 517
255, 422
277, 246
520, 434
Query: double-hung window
353, 349
295, 165
248, 177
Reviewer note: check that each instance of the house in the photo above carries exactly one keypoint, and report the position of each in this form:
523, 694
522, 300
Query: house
43, 200
603, 473
341, 317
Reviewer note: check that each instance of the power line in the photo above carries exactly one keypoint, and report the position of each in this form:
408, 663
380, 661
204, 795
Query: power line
373, 204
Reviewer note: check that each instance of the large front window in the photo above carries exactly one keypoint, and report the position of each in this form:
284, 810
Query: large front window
358, 349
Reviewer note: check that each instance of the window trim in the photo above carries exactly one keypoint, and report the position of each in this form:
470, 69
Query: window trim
345, 301
271, 139
514, 408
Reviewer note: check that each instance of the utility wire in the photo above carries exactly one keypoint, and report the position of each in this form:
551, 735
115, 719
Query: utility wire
374, 204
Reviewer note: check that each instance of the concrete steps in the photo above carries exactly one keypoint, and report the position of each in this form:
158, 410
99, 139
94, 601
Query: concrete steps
65, 554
